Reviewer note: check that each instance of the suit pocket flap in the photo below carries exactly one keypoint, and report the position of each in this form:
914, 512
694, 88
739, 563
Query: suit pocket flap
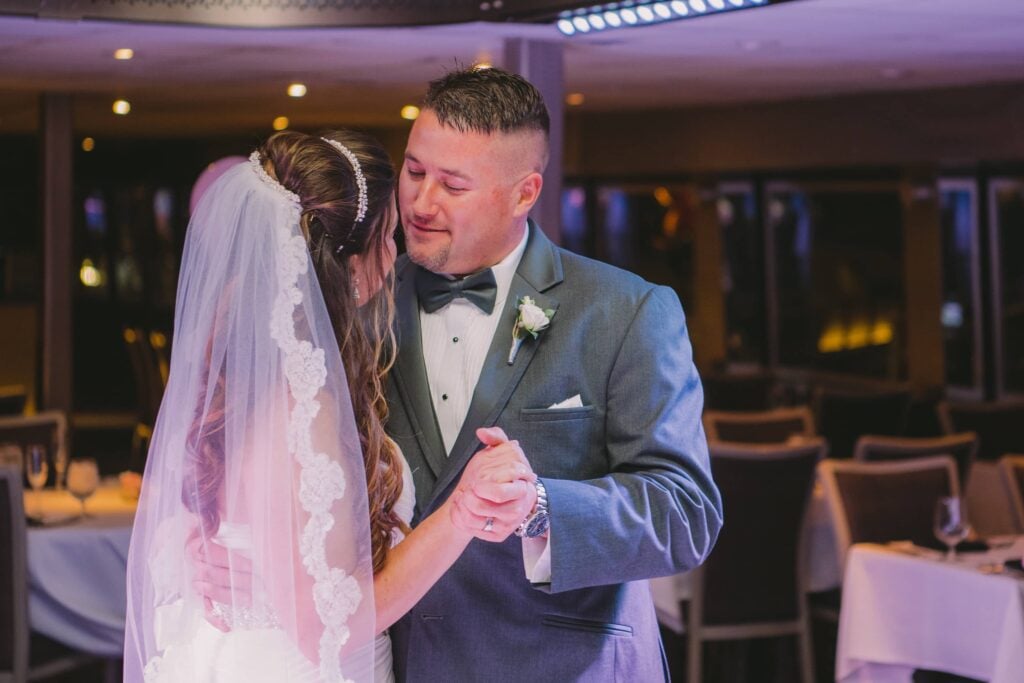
555, 414
588, 625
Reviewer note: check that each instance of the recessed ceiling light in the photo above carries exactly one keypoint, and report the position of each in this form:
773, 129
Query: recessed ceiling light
124, 53
296, 90
88, 144
280, 123
574, 99
410, 112
121, 107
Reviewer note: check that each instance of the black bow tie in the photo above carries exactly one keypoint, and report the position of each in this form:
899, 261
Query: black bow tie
436, 291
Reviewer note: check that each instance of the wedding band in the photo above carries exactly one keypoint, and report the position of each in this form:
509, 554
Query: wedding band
489, 524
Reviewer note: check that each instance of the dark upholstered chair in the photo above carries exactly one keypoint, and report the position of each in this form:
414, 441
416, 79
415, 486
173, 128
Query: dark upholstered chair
843, 417
999, 426
961, 447
879, 502
23, 657
1012, 467
738, 391
13, 399
761, 427
753, 583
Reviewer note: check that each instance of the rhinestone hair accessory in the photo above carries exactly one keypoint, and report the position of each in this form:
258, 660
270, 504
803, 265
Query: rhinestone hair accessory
360, 182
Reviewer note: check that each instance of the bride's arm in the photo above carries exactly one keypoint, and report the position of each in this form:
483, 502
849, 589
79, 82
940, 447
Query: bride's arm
415, 564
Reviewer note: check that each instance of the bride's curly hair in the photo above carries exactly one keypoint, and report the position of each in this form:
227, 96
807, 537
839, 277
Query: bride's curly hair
326, 185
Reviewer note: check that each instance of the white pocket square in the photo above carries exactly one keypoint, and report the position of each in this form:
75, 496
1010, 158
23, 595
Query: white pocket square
573, 402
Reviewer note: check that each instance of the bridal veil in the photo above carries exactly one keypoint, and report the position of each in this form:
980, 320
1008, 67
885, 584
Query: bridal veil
255, 451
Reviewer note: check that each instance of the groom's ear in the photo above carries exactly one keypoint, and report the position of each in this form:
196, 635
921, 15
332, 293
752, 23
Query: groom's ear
528, 193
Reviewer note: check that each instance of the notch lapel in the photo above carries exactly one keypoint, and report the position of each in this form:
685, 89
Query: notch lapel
539, 269
411, 373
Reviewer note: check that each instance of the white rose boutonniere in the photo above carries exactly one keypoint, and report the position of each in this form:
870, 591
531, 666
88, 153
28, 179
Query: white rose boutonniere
532, 320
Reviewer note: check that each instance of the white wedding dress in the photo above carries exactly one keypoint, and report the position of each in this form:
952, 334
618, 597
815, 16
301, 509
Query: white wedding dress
260, 653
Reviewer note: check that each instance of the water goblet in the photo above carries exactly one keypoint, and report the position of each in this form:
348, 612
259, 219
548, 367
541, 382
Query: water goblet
951, 525
83, 479
36, 469
60, 466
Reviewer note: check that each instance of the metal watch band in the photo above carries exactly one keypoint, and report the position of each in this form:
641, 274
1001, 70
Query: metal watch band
539, 516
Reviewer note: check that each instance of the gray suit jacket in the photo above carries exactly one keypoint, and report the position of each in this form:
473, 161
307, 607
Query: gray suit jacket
628, 480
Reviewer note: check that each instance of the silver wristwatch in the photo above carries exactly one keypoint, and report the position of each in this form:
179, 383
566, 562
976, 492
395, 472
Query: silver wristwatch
536, 523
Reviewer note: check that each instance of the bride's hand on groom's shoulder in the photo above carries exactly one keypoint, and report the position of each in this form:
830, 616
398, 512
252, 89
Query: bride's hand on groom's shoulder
497, 484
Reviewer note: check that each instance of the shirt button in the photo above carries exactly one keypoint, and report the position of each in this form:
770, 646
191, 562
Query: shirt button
455, 339
444, 397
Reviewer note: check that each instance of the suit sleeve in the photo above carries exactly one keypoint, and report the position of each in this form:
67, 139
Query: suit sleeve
657, 511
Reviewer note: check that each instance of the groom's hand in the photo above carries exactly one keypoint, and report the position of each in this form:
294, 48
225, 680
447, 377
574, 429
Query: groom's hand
497, 484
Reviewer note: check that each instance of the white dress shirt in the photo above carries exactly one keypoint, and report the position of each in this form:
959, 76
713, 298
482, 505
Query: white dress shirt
455, 340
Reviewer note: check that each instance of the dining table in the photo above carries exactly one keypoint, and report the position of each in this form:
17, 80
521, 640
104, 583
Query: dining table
907, 608
77, 566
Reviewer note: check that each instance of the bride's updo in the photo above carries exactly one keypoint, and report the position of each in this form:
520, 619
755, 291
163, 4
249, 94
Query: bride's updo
324, 179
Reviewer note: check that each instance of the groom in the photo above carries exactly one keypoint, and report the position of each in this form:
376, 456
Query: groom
602, 399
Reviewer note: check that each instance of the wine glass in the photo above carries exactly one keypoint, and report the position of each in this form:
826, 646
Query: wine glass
83, 479
951, 525
60, 466
36, 469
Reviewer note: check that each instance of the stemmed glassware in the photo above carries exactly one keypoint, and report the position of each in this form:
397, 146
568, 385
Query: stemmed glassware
37, 469
83, 479
60, 466
951, 525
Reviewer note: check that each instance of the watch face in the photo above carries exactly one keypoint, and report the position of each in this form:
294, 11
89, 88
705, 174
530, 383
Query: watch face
537, 526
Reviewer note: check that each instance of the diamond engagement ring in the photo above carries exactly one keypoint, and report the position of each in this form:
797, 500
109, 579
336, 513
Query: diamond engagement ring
489, 524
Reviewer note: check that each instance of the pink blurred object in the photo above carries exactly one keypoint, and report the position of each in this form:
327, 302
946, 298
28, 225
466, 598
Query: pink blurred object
209, 174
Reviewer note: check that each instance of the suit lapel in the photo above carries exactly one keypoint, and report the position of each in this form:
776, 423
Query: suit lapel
411, 374
539, 269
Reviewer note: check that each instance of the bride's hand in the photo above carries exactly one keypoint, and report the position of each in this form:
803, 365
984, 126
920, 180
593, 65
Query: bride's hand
497, 484
220, 576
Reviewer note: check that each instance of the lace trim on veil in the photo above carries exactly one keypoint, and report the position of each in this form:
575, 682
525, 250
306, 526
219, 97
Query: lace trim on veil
336, 594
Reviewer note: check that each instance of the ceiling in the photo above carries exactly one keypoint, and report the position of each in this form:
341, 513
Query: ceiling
191, 80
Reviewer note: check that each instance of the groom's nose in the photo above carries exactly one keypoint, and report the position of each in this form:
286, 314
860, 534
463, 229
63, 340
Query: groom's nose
425, 203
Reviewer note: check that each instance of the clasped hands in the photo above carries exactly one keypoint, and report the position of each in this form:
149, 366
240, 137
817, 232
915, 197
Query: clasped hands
496, 491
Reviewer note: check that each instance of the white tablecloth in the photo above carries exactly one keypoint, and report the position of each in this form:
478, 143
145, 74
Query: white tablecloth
903, 612
820, 559
76, 569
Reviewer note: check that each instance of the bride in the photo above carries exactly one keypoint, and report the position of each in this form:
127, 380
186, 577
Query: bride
269, 460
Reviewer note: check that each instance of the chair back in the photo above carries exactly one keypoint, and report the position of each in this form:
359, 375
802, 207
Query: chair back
12, 399
1012, 467
738, 391
48, 429
149, 382
14, 627
999, 425
878, 502
762, 427
754, 574
843, 417
963, 448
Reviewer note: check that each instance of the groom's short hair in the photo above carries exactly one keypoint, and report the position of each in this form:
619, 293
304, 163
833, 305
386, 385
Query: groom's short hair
486, 100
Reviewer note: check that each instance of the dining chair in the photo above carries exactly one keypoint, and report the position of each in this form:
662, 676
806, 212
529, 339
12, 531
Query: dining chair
753, 584
843, 416
24, 656
962, 447
738, 390
879, 502
763, 427
1012, 467
998, 424
49, 429
12, 399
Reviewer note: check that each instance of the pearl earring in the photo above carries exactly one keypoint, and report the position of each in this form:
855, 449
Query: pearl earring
355, 287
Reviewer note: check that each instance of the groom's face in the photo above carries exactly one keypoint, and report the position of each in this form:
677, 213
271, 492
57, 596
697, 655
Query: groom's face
464, 196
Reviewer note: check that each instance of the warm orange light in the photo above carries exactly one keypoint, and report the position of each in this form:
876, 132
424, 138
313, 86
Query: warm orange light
124, 53
280, 123
296, 90
121, 107
574, 99
88, 144
410, 112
